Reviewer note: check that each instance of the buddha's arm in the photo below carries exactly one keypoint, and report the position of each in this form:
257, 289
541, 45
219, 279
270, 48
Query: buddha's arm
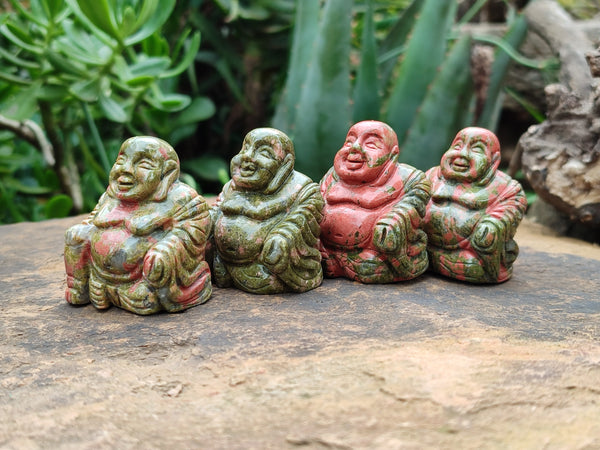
299, 230
394, 229
498, 226
510, 205
501, 218
182, 248
77, 256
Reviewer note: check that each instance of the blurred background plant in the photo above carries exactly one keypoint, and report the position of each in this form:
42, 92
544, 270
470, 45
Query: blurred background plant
419, 74
581, 9
78, 77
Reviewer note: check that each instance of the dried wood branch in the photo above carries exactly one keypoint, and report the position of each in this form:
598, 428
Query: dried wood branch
32, 133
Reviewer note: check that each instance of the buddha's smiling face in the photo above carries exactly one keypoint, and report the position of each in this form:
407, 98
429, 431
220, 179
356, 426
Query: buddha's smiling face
473, 153
138, 170
368, 147
258, 161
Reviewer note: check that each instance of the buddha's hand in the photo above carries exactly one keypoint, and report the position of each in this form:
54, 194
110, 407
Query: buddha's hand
276, 253
486, 235
78, 235
157, 267
389, 236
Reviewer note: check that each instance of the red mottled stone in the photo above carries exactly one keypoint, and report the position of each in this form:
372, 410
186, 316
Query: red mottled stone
266, 220
142, 247
474, 211
373, 210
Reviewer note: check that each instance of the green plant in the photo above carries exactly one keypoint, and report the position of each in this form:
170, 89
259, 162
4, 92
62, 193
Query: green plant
241, 64
581, 9
416, 77
90, 73
24, 177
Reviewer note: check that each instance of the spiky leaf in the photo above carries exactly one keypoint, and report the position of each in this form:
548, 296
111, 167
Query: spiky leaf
323, 115
425, 52
366, 94
306, 27
514, 37
394, 42
444, 111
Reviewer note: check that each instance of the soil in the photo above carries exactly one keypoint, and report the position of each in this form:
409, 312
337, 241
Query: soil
428, 363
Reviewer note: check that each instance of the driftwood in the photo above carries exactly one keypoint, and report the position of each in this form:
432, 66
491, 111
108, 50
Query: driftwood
529, 83
560, 156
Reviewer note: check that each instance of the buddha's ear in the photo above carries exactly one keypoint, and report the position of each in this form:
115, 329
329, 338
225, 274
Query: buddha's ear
169, 176
495, 161
394, 152
286, 168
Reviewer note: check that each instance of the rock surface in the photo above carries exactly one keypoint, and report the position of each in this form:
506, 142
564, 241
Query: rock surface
426, 363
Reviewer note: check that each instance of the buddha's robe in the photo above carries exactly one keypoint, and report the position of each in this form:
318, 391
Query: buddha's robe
470, 226
252, 227
361, 224
143, 257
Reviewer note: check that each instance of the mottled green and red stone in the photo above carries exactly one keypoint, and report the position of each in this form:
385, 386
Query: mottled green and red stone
266, 232
474, 211
142, 248
371, 227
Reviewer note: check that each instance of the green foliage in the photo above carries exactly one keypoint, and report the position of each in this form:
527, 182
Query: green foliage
27, 188
425, 51
581, 9
245, 48
323, 112
414, 75
426, 141
92, 73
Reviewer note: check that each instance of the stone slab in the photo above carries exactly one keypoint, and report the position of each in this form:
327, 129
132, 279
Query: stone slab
431, 362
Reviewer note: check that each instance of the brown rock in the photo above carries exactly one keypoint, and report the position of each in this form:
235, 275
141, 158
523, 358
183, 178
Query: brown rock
426, 363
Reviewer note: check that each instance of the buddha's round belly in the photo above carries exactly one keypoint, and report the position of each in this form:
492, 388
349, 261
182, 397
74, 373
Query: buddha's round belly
240, 239
346, 226
117, 250
448, 224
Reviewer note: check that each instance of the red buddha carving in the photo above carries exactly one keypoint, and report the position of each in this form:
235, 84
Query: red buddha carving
474, 211
374, 205
267, 220
142, 247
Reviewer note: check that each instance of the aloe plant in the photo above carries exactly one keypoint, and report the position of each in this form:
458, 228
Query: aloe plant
318, 121
367, 102
425, 52
323, 111
444, 110
426, 102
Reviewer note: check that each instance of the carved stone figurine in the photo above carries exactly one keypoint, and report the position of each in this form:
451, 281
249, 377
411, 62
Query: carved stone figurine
373, 210
474, 211
142, 247
267, 220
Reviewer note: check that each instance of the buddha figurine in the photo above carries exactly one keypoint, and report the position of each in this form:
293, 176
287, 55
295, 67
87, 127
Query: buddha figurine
266, 220
142, 247
374, 205
474, 211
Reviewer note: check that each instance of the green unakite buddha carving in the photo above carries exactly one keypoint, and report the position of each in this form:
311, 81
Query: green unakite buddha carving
266, 220
142, 247
474, 211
